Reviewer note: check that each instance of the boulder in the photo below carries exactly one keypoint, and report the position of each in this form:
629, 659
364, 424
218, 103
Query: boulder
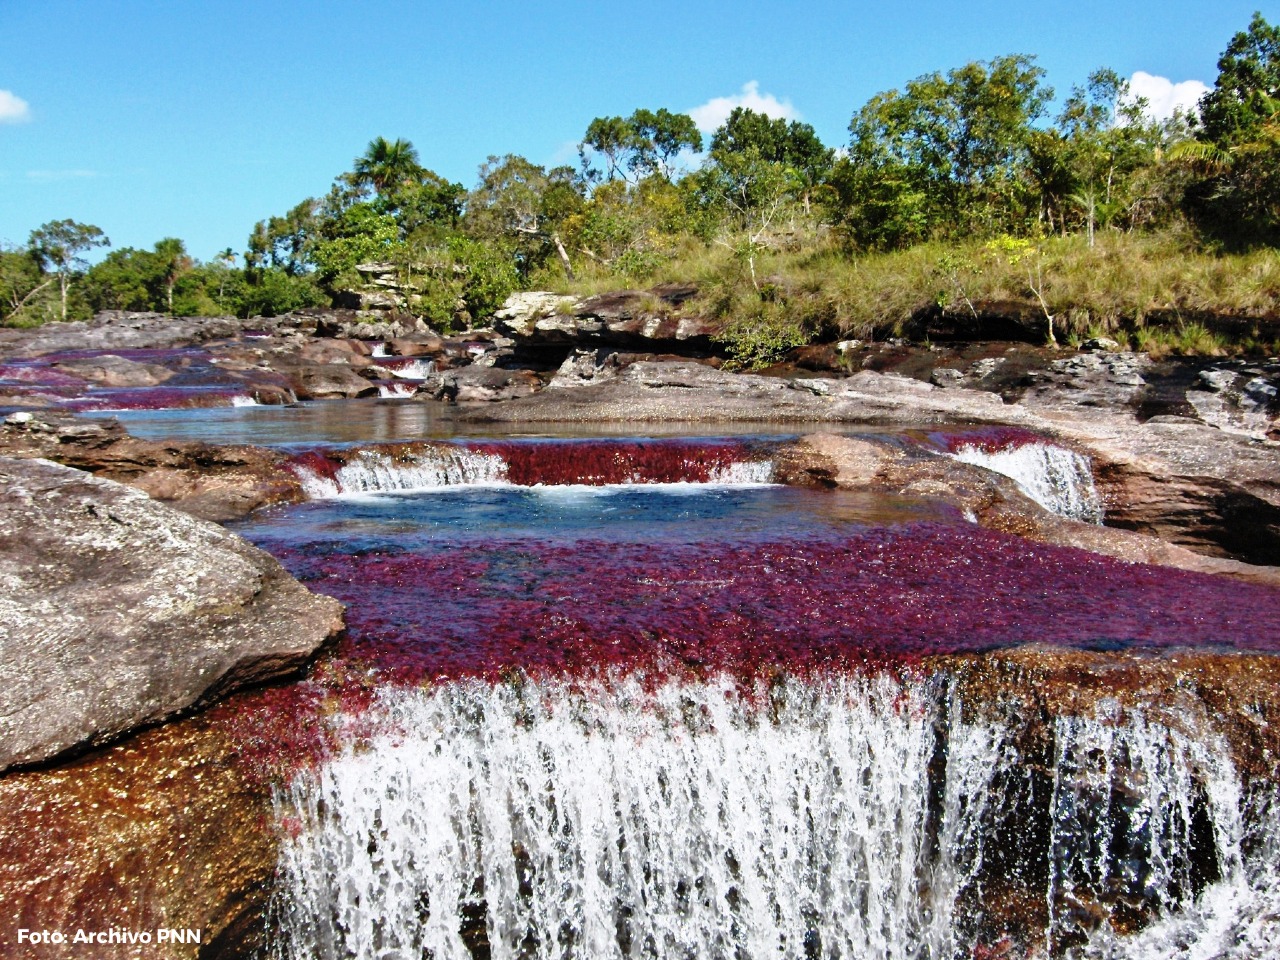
113, 371
480, 384
329, 381
117, 612
630, 319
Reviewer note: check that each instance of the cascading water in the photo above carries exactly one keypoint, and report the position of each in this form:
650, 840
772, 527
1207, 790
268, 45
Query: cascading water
389, 391
1058, 479
836, 817
430, 466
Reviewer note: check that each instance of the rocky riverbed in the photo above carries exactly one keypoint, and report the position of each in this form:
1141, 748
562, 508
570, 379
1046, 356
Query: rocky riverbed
140, 795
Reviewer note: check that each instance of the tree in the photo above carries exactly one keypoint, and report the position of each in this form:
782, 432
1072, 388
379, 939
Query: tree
660, 136
24, 287
386, 166
612, 138
1238, 146
520, 203
1246, 94
57, 246
960, 140
172, 262
794, 146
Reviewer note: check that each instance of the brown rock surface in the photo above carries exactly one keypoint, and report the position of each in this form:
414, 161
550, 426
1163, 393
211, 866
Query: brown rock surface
210, 482
164, 830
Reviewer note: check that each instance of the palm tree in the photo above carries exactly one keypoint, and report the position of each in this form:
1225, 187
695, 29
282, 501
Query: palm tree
387, 165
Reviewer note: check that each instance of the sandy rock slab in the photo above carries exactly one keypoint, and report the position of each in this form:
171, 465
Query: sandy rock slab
117, 612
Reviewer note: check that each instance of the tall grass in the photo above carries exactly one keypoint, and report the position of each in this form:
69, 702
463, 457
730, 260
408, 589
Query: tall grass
1156, 291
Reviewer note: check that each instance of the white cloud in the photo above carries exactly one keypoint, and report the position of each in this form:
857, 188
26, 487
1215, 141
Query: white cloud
13, 109
1164, 96
715, 111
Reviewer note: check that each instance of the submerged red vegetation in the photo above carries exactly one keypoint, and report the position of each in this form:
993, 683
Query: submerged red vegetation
880, 595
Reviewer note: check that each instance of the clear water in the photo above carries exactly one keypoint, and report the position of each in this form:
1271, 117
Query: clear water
626, 796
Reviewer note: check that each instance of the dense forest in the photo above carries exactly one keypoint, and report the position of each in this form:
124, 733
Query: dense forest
964, 187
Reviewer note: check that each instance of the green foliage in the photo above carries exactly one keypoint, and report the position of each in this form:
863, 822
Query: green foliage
762, 336
645, 143
1246, 95
959, 141
360, 235
28, 296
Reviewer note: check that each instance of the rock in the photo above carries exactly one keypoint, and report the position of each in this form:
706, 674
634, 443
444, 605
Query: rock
210, 482
117, 612
163, 830
1111, 381
520, 312
113, 371
631, 319
480, 384
329, 381
947, 377
351, 352
585, 367
423, 346
1100, 343
992, 500
683, 390
1237, 399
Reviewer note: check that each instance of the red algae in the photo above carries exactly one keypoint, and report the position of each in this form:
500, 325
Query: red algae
879, 596
599, 462
987, 439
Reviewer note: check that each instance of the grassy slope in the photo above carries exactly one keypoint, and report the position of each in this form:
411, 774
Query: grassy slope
1152, 292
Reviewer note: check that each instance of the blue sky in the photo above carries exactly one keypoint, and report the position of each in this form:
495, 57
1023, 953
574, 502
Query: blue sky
196, 119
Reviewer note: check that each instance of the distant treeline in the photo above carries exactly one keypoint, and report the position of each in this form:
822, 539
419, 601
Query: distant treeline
965, 156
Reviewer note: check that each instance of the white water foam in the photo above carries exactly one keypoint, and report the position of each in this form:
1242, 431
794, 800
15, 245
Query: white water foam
414, 369
242, 401
373, 471
393, 391
1058, 479
380, 350
689, 821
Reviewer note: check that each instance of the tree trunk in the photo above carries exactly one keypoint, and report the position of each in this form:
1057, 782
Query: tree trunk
62, 282
564, 255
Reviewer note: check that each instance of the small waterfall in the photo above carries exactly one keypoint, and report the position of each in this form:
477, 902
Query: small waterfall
376, 471
1058, 479
410, 369
846, 817
593, 463
379, 351
243, 401
396, 391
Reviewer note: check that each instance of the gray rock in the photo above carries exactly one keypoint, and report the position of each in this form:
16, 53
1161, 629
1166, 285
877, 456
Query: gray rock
117, 611
947, 377
1100, 343
583, 368
113, 371
329, 381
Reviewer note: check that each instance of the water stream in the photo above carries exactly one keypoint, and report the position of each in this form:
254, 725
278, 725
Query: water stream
632, 699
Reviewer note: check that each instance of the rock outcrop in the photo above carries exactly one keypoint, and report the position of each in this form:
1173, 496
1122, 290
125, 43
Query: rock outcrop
627, 319
211, 482
117, 612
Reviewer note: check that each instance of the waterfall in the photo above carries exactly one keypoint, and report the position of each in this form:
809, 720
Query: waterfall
1058, 479
412, 369
408, 467
389, 391
374, 471
243, 401
844, 817
379, 350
